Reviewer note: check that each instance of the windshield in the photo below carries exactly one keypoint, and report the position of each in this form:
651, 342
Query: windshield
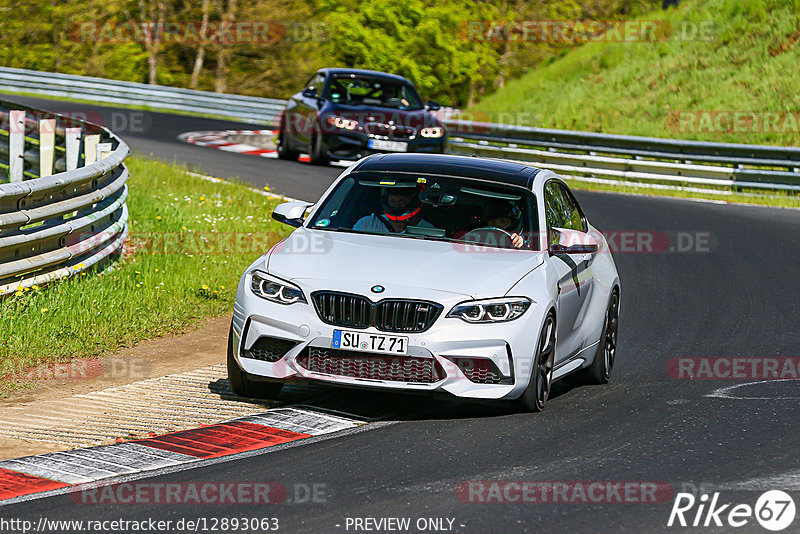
431, 207
366, 91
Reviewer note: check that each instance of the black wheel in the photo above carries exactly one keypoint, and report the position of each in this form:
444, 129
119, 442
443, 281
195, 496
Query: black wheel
284, 150
242, 384
538, 390
600, 370
317, 155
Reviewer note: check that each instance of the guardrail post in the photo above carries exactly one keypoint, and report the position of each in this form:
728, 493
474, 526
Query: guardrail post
104, 150
90, 148
47, 146
16, 145
73, 146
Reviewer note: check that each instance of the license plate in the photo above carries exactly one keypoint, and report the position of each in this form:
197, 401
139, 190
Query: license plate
392, 146
366, 342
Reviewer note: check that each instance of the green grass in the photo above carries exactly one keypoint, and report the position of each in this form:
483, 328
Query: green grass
191, 239
749, 63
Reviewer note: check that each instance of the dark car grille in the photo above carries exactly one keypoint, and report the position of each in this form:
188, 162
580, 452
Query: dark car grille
390, 315
352, 364
391, 131
269, 349
481, 371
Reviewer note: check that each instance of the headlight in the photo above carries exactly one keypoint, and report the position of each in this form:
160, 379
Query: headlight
341, 122
491, 310
432, 132
274, 289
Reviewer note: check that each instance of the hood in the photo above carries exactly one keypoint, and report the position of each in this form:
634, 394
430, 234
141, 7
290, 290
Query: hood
342, 261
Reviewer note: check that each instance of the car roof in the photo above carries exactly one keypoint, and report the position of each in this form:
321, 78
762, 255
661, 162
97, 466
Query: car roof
362, 72
496, 170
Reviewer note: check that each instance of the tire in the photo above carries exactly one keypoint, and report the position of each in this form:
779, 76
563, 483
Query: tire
317, 155
541, 381
284, 152
242, 384
600, 370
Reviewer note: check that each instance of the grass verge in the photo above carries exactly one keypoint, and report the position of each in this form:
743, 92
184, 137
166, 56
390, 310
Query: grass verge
190, 241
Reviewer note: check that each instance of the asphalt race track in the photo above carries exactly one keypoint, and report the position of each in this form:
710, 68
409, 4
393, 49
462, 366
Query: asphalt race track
735, 296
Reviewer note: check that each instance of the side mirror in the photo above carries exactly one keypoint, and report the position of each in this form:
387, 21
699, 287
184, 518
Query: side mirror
564, 241
433, 106
291, 213
310, 92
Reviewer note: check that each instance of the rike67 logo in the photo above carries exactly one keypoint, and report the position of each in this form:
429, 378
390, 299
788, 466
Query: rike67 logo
774, 510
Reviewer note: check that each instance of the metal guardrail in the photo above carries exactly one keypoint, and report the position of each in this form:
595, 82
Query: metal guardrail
639, 159
57, 225
245, 108
642, 160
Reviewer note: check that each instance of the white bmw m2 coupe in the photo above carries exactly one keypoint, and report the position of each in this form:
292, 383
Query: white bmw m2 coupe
475, 277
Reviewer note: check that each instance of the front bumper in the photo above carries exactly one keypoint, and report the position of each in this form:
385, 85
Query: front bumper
509, 346
352, 145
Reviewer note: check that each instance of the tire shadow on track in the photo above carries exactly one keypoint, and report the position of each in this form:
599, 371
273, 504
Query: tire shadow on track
373, 405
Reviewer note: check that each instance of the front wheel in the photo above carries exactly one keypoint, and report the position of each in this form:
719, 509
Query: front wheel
242, 384
541, 381
600, 370
284, 150
318, 155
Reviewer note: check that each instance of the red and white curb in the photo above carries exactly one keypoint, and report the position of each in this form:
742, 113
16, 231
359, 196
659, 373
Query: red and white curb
57, 470
222, 140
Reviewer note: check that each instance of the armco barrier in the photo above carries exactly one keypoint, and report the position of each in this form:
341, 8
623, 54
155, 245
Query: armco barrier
57, 225
645, 160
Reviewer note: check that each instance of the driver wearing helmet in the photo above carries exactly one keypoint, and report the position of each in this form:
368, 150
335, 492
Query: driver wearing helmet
400, 207
507, 217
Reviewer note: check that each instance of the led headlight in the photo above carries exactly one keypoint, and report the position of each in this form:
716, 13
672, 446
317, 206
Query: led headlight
432, 132
491, 310
274, 289
341, 122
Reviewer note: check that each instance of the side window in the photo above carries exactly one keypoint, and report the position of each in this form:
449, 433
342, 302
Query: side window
316, 82
573, 215
552, 206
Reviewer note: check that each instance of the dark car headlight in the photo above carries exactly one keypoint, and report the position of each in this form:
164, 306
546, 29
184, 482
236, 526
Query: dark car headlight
274, 289
341, 122
491, 310
432, 132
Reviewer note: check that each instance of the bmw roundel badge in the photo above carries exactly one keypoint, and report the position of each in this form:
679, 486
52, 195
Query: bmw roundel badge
377, 289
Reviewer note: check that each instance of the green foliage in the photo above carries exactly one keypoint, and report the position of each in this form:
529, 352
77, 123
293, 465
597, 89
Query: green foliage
748, 62
425, 40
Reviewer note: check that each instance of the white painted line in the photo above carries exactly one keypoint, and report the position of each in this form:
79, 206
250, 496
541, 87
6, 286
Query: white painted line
728, 391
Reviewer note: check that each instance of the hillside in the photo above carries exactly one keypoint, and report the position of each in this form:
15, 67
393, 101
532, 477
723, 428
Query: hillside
697, 88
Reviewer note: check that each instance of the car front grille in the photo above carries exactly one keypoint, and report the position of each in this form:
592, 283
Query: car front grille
269, 349
481, 370
390, 130
390, 315
352, 364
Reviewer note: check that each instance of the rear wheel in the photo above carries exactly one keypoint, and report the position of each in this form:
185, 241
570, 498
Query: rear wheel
600, 370
284, 150
241, 382
317, 154
538, 390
